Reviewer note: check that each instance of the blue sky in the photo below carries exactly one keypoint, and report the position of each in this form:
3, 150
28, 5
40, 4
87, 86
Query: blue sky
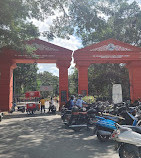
73, 44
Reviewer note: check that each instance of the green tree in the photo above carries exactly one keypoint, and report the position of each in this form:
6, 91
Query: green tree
48, 79
101, 78
16, 17
73, 83
25, 78
95, 21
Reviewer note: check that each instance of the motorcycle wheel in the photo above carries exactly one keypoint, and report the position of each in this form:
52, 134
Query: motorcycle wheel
65, 121
23, 110
127, 152
0, 118
102, 138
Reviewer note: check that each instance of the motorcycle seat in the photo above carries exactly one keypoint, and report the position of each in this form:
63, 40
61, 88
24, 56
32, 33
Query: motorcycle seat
75, 113
136, 129
133, 128
112, 118
83, 113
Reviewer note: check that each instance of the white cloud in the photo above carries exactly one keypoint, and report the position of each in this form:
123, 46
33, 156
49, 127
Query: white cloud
73, 44
49, 67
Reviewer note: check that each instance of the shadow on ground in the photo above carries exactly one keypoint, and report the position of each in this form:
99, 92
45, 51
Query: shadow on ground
45, 136
25, 115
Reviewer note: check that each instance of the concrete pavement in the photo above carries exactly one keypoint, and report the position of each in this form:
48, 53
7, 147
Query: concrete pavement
44, 136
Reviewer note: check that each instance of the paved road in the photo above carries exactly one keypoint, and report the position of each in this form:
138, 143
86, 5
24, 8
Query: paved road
44, 136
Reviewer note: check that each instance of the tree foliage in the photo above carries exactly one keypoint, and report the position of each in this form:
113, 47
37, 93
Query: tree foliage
16, 19
73, 83
48, 79
94, 21
101, 78
25, 78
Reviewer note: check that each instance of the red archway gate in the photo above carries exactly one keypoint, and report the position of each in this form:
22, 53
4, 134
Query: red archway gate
110, 51
46, 53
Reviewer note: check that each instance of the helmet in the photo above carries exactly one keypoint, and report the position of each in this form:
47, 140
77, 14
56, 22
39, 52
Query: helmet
91, 111
79, 95
72, 97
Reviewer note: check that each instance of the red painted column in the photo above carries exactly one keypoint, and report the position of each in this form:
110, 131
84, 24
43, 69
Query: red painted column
82, 78
134, 69
63, 81
6, 85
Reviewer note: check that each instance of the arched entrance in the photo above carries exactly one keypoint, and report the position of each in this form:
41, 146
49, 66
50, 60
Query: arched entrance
47, 53
110, 51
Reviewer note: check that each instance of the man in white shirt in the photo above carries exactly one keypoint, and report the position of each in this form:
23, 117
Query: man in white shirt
79, 101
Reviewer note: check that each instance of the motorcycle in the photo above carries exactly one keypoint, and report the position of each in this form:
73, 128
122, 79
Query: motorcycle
105, 126
128, 141
52, 108
21, 108
65, 115
77, 119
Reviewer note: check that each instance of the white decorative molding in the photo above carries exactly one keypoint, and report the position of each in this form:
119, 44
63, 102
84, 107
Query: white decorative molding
111, 47
43, 47
40, 56
110, 56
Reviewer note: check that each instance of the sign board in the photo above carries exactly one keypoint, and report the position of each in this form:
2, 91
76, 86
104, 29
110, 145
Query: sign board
32, 94
46, 88
117, 93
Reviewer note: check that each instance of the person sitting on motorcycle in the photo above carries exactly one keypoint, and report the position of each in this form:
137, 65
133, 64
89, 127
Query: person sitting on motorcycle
51, 106
79, 101
71, 102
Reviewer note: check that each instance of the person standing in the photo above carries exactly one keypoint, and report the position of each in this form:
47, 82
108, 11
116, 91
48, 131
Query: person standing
42, 101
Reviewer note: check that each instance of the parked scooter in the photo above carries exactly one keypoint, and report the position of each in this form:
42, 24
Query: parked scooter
105, 126
129, 141
21, 108
52, 108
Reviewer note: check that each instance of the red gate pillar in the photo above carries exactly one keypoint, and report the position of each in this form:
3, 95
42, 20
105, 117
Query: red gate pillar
63, 81
82, 78
6, 85
134, 69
